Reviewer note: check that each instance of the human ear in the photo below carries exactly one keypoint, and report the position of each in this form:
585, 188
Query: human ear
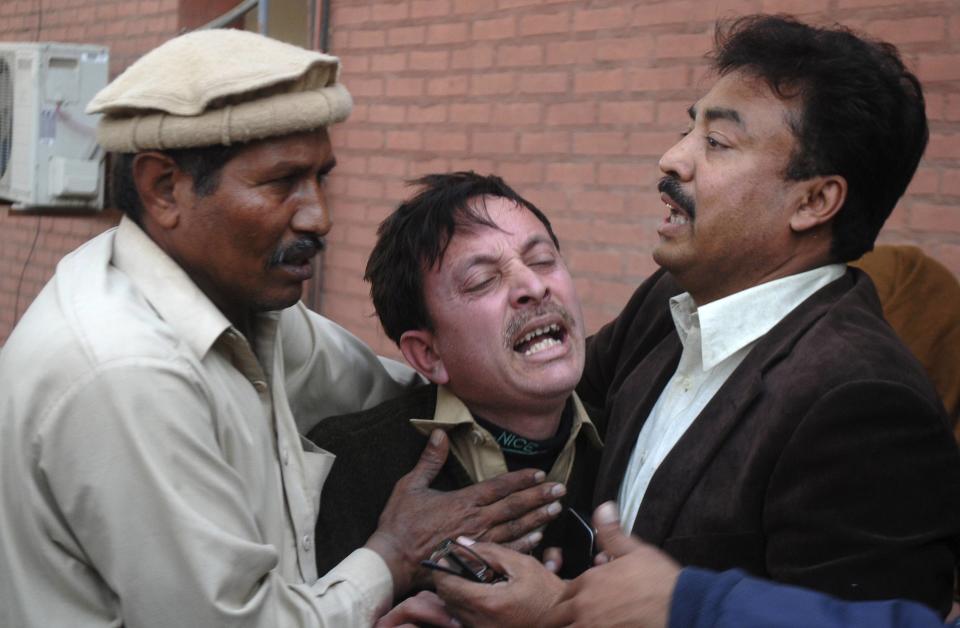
156, 176
417, 347
823, 197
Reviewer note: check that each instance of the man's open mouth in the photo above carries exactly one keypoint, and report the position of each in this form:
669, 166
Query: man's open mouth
540, 338
682, 207
677, 216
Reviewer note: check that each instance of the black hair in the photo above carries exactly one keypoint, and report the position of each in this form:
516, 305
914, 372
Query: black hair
416, 235
203, 164
862, 113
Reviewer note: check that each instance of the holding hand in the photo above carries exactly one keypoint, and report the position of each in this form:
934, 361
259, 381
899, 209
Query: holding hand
633, 587
523, 599
505, 509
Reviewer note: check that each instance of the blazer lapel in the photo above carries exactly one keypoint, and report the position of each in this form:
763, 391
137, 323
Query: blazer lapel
629, 411
688, 460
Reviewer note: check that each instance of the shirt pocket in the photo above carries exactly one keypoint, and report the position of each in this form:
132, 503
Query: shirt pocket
317, 463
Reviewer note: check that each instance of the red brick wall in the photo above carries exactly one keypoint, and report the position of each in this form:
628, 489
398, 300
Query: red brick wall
573, 102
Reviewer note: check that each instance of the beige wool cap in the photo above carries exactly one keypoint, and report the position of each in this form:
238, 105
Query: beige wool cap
219, 86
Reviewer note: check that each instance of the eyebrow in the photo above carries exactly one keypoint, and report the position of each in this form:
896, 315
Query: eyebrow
717, 113
482, 259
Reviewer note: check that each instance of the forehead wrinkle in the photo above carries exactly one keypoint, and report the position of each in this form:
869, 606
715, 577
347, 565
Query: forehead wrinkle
292, 162
466, 230
534, 241
462, 267
495, 259
461, 231
304, 161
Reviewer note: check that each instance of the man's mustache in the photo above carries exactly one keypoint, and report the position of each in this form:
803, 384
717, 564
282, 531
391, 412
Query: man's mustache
671, 187
301, 249
519, 321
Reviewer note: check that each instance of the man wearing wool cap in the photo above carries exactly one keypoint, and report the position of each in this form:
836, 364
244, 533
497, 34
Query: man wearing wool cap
155, 392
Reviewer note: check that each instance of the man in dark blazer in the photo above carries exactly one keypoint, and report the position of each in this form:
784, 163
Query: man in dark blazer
821, 461
759, 411
467, 279
823, 458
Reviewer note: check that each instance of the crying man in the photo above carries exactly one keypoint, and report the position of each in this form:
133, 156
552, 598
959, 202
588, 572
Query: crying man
467, 278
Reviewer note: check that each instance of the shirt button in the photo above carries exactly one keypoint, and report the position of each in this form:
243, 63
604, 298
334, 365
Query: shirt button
260, 385
285, 456
477, 437
306, 543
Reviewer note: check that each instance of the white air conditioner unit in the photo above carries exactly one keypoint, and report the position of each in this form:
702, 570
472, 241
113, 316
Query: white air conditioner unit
49, 157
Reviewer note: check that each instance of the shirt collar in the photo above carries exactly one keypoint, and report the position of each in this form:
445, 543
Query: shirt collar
729, 324
451, 413
168, 288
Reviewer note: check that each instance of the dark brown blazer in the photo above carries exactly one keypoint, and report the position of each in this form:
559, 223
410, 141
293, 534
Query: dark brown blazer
376, 447
825, 460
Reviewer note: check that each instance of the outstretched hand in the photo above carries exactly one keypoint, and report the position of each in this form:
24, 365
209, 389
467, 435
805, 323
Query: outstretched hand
505, 509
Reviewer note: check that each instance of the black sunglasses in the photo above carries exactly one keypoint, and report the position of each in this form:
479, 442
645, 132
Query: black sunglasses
460, 560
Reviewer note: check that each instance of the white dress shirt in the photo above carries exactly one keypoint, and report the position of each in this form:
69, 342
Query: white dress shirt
153, 473
716, 338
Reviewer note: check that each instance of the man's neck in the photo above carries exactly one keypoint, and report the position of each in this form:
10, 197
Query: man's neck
244, 324
704, 292
537, 424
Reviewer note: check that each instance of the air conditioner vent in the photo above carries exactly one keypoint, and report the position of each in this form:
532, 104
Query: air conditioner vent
48, 152
6, 114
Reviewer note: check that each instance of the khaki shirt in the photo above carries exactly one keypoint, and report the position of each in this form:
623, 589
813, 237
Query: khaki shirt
476, 448
152, 470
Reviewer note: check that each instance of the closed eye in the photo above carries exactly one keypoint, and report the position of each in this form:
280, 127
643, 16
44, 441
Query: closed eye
480, 284
543, 263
